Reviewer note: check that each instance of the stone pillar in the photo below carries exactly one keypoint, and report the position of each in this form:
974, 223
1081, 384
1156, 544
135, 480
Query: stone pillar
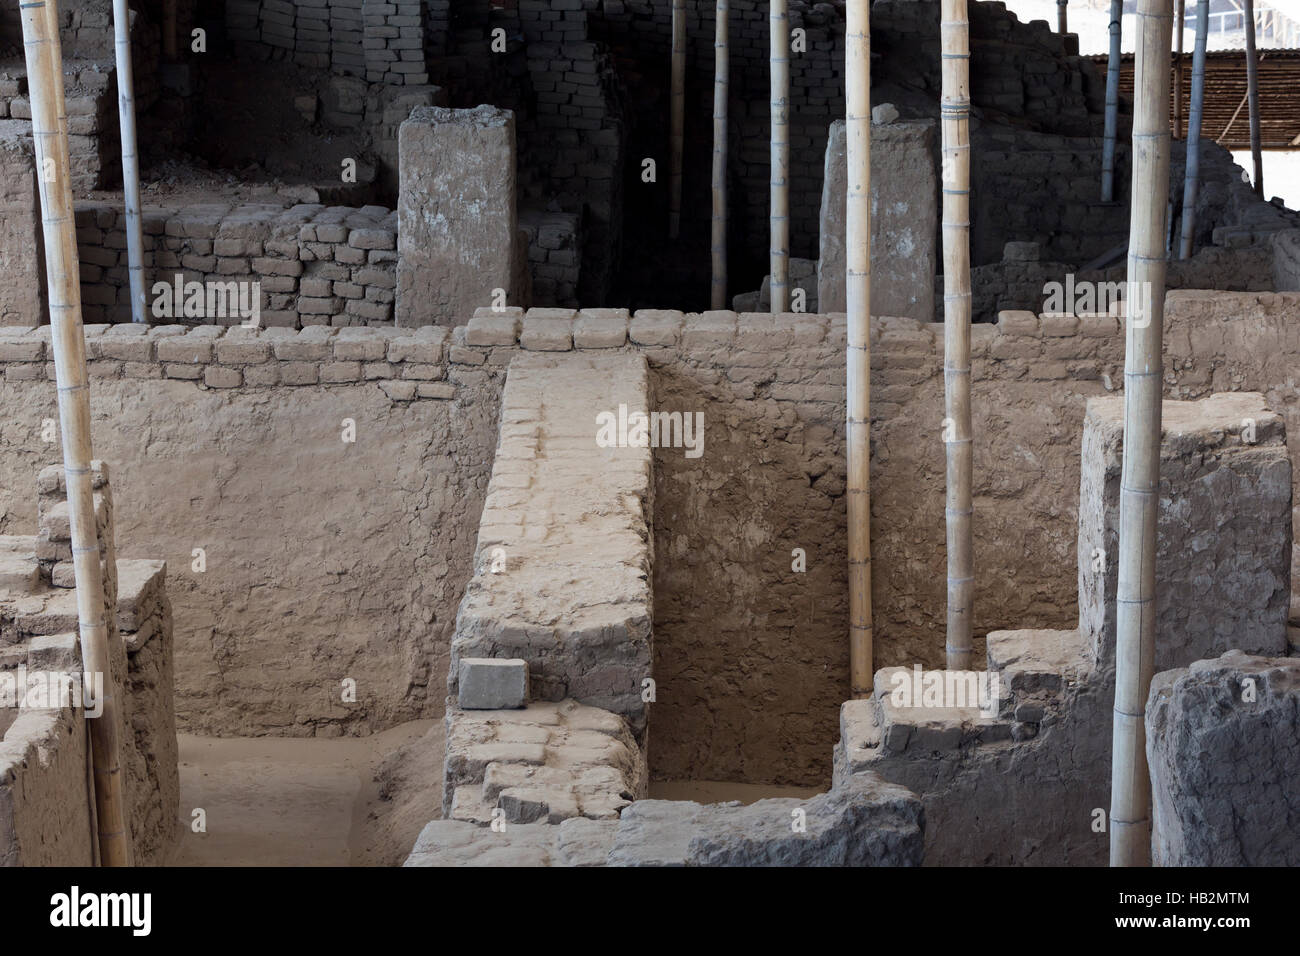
904, 221
458, 231
22, 281
1223, 573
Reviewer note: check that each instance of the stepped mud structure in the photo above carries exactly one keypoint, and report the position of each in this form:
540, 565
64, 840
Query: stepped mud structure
424, 431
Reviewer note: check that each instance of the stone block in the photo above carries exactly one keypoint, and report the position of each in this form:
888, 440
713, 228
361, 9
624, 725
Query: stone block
490, 684
904, 225
1223, 558
1223, 747
457, 214
864, 822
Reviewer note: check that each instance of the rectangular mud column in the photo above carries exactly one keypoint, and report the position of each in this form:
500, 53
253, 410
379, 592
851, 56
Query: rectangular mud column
904, 221
563, 562
457, 221
22, 283
1223, 572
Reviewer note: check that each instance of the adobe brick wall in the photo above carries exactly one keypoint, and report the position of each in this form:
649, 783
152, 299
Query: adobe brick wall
735, 701
316, 264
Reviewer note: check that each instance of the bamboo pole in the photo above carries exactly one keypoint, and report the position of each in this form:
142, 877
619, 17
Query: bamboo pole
130, 162
954, 31
678, 121
1112, 104
721, 89
1130, 801
857, 129
779, 40
169, 30
1191, 178
1061, 26
1178, 70
45, 84
1252, 91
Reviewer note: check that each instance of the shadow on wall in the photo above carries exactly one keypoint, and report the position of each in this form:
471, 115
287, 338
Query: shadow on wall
751, 657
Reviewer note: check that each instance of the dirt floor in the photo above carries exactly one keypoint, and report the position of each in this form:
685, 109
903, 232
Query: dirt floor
274, 801
346, 801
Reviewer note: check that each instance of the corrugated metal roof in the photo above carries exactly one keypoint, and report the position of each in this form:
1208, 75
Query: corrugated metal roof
1225, 115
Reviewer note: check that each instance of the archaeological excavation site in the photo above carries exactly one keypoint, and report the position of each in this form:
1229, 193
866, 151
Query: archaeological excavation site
649, 433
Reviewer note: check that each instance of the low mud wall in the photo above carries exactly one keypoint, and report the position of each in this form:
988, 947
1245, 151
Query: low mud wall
328, 560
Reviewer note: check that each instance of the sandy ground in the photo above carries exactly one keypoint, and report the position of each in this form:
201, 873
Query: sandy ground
274, 801
346, 801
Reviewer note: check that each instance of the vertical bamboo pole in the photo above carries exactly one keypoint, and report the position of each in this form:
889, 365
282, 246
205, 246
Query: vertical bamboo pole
954, 30
779, 38
130, 162
1191, 179
857, 128
1252, 92
678, 109
1130, 801
45, 83
1061, 26
1178, 70
169, 30
1112, 104
721, 82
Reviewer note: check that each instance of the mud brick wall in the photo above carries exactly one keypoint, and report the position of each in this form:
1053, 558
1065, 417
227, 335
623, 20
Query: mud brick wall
574, 600
382, 41
573, 138
640, 32
1026, 70
728, 606
44, 815
554, 256
317, 265
242, 424
91, 96
394, 42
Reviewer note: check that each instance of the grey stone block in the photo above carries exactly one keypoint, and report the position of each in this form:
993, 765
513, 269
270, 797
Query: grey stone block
864, 822
487, 684
1223, 745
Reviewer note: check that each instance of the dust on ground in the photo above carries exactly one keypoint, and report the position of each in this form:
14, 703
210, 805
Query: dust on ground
278, 801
